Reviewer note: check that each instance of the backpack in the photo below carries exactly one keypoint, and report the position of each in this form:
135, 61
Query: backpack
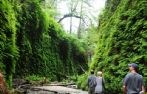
92, 82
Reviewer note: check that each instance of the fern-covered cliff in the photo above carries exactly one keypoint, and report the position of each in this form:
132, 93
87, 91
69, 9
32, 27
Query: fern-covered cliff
33, 43
122, 39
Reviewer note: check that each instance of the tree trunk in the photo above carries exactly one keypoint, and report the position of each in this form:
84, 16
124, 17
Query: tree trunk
70, 25
79, 29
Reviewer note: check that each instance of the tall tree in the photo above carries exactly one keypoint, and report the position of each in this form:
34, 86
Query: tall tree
73, 7
77, 9
80, 22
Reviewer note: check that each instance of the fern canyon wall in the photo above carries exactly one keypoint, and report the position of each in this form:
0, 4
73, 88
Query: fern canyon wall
33, 43
8, 48
122, 39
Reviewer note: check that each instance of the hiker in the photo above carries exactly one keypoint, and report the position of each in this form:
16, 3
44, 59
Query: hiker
3, 88
133, 81
99, 89
91, 83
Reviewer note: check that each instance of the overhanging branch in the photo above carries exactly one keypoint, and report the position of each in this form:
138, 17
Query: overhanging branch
69, 15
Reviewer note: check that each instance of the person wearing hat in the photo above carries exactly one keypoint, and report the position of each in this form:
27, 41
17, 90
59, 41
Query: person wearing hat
133, 81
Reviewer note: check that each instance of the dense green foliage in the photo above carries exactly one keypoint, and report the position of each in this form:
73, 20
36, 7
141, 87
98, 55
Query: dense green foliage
122, 38
34, 44
8, 49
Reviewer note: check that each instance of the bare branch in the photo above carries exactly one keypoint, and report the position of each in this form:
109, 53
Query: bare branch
82, 68
75, 7
87, 3
69, 15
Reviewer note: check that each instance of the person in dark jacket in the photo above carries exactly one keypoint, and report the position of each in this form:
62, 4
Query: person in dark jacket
91, 83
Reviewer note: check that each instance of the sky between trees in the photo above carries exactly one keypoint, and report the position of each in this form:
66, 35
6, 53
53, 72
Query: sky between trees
92, 12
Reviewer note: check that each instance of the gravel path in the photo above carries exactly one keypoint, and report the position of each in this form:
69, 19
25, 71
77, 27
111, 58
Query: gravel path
56, 90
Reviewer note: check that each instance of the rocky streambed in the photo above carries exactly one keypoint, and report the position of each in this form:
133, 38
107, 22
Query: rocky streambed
24, 87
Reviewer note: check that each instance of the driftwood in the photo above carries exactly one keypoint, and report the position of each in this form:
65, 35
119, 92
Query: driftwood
3, 88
